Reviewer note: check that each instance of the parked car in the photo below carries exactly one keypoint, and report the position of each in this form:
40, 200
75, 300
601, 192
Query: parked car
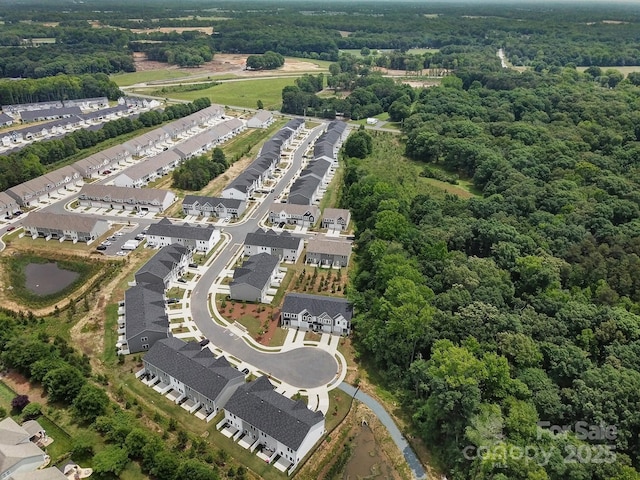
245, 371
173, 300
121, 253
17, 214
181, 280
101, 247
119, 234
11, 228
106, 172
193, 265
112, 238
139, 237
204, 342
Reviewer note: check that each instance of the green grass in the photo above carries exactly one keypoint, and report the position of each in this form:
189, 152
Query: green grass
6, 395
284, 285
249, 322
330, 198
61, 440
110, 334
126, 79
244, 93
321, 63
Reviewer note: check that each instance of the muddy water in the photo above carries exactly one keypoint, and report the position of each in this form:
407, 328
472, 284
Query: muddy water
366, 460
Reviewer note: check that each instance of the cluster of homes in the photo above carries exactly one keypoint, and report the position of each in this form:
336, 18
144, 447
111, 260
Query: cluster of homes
150, 144
61, 117
309, 185
143, 318
255, 415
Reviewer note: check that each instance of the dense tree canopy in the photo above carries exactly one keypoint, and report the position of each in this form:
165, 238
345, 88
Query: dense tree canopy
493, 313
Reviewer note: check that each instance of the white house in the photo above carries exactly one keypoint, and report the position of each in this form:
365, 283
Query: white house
336, 218
123, 198
262, 119
213, 206
18, 453
202, 380
317, 313
283, 245
286, 429
200, 238
64, 226
305, 215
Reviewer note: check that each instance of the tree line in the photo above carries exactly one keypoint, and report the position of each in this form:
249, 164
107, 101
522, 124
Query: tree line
195, 173
37, 158
491, 314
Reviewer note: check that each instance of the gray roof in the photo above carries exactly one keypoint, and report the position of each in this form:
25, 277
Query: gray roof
304, 188
153, 164
283, 419
272, 239
243, 181
63, 221
329, 247
4, 118
32, 115
337, 125
318, 167
294, 123
262, 115
145, 309
15, 445
163, 262
317, 305
336, 213
256, 270
293, 209
213, 201
166, 228
103, 112
51, 473
32, 427
111, 192
197, 368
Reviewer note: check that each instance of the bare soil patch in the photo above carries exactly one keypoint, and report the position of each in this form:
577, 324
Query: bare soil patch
19, 384
226, 63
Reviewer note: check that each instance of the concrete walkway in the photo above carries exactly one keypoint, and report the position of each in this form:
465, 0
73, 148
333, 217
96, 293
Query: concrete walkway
409, 455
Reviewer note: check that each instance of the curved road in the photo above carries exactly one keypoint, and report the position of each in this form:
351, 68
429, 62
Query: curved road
387, 421
320, 366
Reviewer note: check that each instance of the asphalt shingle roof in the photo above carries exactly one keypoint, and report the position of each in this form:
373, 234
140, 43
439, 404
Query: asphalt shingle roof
197, 368
213, 201
256, 270
283, 419
166, 228
272, 239
145, 309
317, 305
163, 262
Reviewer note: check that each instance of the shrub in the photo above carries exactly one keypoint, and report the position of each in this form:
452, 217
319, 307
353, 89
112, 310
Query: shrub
19, 402
31, 411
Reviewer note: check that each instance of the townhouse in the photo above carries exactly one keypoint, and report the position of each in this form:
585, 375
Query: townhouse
213, 206
336, 219
284, 428
143, 318
283, 245
262, 119
292, 214
317, 313
252, 281
192, 371
29, 116
8, 205
200, 238
63, 226
328, 253
123, 198
140, 174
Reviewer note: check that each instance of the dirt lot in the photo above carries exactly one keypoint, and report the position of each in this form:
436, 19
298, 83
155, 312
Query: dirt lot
225, 63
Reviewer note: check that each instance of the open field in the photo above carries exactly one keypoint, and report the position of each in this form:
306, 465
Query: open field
623, 70
412, 51
241, 93
126, 79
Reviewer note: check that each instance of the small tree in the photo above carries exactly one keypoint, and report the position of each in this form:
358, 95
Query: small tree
82, 447
110, 460
90, 403
259, 104
31, 411
19, 402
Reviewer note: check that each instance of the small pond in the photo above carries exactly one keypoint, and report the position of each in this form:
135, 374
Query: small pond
47, 278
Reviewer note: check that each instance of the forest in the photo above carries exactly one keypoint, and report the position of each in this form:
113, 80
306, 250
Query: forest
521, 305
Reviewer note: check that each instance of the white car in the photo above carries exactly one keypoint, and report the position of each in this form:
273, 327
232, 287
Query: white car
119, 234
121, 253
106, 243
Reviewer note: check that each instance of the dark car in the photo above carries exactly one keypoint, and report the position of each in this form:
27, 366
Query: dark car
245, 371
17, 214
9, 229
139, 237
204, 342
181, 280
101, 247
193, 265
173, 300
